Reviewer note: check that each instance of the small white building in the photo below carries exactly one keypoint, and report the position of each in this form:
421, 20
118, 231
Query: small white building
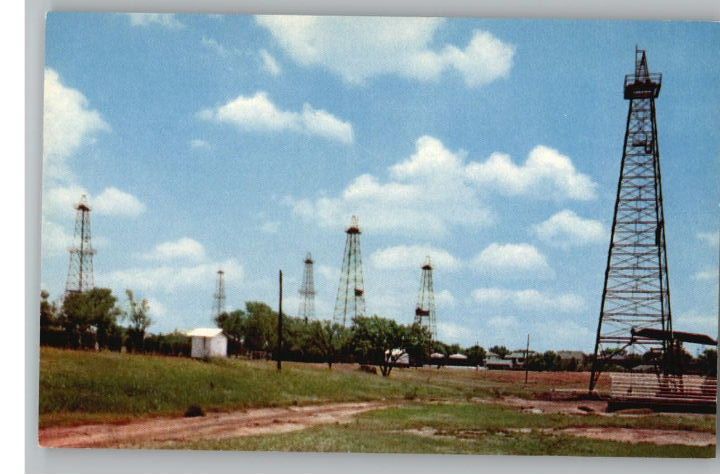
398, 355
207, 342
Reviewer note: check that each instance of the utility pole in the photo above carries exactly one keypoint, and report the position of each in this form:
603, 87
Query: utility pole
527, 353
280, 325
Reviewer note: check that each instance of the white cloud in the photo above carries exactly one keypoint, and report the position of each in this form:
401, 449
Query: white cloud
113, 202
196, 143
546, 174
695, 321
512, 331
429, 191
59, 202
259, 113
168, 278
156, 308
269, 63
68, 123
360, 48
183, 248
213, 45
566, 229
413, 257
710, 274
414, 201
506, 259
503, 323
711, 239
330, 274
449, 331
55, 239
270, 227
444, 298
167, 20
529, 299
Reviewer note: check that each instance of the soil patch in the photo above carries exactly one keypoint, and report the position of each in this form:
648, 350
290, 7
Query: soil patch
637, 435
213, 426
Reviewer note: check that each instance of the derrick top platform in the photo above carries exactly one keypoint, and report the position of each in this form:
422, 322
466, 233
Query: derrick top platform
642, 84
354, 226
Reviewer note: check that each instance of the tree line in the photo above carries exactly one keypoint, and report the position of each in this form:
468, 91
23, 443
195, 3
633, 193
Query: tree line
94, 319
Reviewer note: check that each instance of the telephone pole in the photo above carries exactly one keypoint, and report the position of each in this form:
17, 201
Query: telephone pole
280, 323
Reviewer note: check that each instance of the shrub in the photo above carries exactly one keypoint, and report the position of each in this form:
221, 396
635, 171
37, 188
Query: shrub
194, 410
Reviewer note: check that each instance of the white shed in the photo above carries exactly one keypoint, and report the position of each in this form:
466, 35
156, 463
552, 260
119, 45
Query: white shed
207, 342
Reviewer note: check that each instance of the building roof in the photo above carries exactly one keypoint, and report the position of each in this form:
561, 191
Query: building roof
204, 332
578, 355
496, 361
437, 355
518, 354
457, 356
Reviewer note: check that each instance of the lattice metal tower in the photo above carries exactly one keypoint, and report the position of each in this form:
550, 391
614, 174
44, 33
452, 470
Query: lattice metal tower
636, 293
80, 270
219, 296
425, 309
351, 293
307, 291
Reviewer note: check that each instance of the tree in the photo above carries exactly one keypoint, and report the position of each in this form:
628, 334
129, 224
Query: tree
328, 338
139, 318
551, 360
502, 351
48, 311
93, 308
384, 342
233, 326
475, 355
260, 326
708, 362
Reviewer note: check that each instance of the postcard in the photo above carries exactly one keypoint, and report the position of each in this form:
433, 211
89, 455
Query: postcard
380, 234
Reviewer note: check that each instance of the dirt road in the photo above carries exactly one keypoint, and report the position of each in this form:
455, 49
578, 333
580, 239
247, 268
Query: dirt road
214, 425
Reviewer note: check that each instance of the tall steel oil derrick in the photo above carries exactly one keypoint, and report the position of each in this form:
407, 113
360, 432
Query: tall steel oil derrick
80, 270
636, 293
425, 309
351, 292
219, 296
307, 291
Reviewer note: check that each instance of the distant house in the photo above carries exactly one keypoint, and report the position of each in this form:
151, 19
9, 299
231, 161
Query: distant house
569, 355
457, 359
207, 342
494, 361
644, 368
399, 356
518, 357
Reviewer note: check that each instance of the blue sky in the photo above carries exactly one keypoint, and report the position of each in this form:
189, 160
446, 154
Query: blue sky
494, 146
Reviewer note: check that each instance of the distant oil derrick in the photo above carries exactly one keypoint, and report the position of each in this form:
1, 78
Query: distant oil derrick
636, 293
307, 291
425, 309
219, 296
351, 293
80, 270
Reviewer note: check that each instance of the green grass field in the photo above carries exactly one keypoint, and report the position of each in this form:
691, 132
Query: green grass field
79, 387
462, 429
86, 387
